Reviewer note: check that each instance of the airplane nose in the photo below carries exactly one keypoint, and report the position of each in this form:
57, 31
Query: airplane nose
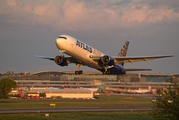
61, 41
58, 42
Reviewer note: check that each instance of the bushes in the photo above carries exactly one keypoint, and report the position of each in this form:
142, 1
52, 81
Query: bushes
166, 105
4, 96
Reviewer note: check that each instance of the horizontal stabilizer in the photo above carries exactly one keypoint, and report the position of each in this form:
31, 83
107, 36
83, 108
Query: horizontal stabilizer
136, 69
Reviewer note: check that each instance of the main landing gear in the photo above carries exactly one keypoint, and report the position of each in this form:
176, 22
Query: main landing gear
78, 72
106, 71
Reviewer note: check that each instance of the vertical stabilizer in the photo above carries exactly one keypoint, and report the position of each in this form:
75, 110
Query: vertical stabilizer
101, 88
123, 52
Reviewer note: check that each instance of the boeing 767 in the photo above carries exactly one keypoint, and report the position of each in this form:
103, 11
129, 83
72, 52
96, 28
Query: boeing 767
83, 54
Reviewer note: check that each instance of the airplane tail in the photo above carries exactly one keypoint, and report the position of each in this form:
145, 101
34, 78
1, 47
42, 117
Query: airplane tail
101, 88
149, 88
123, 52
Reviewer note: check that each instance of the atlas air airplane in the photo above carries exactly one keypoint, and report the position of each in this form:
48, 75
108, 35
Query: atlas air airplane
83, 54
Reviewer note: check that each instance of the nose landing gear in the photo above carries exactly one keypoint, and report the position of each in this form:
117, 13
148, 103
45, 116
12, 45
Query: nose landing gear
78, 72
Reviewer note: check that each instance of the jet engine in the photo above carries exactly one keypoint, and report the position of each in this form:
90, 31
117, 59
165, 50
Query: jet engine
107, 60
60, 60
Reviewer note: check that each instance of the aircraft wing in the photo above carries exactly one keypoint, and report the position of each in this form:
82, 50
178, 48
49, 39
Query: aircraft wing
70, 59
140, 58
45, 57
132, 59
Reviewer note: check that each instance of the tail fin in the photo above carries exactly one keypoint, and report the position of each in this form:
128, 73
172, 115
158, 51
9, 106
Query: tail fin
123, 52
101, 88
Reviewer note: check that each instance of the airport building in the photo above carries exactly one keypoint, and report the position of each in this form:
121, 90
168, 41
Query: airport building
61, 80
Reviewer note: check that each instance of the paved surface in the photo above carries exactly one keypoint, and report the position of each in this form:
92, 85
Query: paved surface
60, 110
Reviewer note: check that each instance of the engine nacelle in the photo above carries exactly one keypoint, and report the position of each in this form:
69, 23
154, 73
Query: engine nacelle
107, 60
59, 60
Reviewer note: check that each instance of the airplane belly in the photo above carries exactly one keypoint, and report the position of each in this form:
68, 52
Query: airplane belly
92, 64
83, 58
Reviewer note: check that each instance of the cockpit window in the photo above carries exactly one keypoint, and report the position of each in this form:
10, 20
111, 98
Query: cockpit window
62, 37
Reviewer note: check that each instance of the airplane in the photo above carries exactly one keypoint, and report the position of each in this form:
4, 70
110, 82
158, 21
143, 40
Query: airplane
119, 90
136, 91
82, 54
141, 91
97, 89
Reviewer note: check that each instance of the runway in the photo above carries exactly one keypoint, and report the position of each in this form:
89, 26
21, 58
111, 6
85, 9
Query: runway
66, 110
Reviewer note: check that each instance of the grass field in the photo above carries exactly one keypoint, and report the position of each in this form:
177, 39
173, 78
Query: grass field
80, 116
102, 101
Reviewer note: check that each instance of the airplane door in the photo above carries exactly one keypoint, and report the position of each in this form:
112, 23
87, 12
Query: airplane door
72, 44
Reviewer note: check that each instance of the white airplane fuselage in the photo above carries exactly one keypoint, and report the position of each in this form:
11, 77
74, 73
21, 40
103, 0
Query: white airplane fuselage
79, 50
141, 91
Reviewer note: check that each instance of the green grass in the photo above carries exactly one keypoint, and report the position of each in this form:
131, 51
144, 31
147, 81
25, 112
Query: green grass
103, 101
80, 116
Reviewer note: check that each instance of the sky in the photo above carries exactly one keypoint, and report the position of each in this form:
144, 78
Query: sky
30, 27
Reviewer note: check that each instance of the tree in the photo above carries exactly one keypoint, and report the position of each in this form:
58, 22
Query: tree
166, 105
6, 85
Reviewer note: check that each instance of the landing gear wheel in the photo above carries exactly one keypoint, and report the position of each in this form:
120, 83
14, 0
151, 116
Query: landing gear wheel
79, 72
106, 72
76, 72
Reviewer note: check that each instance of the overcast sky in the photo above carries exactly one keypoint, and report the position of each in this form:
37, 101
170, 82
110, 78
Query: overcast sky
30, 27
